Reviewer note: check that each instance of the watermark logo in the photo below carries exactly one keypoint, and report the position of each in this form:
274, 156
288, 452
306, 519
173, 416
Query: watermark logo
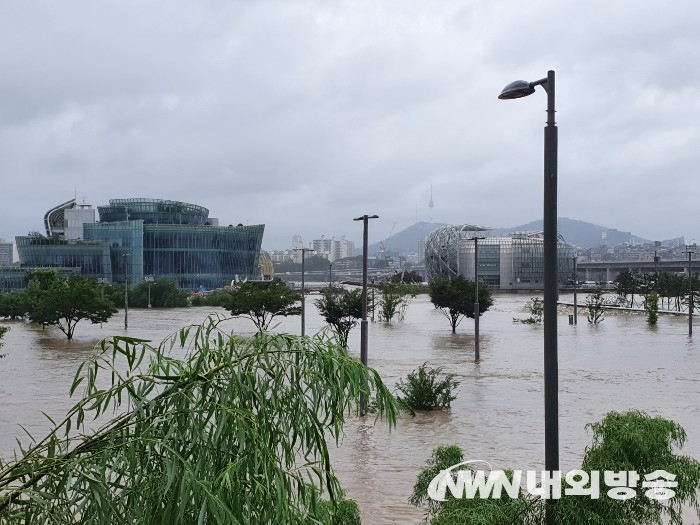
463, 480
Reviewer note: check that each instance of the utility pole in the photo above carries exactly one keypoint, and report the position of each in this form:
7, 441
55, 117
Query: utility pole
688, 249
149, 280
575, 294
476, 297
303, 290
126, 290
363, 323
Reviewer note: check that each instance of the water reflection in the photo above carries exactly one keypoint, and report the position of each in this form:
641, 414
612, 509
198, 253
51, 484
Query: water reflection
498, 415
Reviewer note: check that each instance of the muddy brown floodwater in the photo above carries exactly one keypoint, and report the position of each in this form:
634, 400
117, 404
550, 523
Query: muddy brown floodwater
498, 415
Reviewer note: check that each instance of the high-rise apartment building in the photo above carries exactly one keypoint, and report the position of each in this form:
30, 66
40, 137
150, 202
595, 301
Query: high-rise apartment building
5, 253
332, 249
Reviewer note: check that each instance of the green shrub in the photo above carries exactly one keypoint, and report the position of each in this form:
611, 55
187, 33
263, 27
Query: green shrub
652, 308
425, 389
3, 331
346, 512
536, 308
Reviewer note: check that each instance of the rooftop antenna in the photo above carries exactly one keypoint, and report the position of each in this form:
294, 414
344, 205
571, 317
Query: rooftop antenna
431, 204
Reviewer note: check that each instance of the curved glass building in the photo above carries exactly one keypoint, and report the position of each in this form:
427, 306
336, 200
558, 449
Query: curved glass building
505, 262
150, 237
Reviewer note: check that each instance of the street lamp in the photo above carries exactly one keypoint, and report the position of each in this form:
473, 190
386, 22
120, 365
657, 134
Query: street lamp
363, 323
149, 280
476, 297
689, 250
102, 281
126, 291
575, 291
303, 290
372, 281
330, 274
518, 89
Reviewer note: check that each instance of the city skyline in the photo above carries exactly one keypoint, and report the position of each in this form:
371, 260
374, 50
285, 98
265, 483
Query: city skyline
304, 115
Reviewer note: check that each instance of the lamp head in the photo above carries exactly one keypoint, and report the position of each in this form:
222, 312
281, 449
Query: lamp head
517, 89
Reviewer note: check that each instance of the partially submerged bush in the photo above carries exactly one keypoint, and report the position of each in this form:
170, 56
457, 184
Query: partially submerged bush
426, 389
652, 307
345, 512
596, 307
536, 308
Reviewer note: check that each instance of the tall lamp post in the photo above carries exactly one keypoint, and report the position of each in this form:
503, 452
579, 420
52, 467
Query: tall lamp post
518, 89
102, 282
330, 274
149, 280
575, 290
476, 298
303, 290
689, 250
363, 322
126, 290
372, 281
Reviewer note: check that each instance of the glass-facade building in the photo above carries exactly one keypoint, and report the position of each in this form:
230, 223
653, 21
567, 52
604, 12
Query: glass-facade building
152, 237
508, 262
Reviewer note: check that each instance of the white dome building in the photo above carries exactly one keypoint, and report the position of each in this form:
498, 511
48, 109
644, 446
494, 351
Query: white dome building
508, 262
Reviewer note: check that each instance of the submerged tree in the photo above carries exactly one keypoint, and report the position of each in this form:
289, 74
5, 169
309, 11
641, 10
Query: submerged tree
261, 302
164, 293
13, 304
596, 307
652, 308
455, 298
342, 309
394, 299
233, 432
64, 302
3, 331
536, 308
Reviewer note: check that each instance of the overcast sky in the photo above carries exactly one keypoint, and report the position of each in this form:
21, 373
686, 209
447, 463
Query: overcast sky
304, 114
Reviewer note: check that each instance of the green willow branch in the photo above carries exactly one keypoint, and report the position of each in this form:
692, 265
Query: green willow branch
215, 444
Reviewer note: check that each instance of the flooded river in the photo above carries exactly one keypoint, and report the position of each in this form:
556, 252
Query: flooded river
498, 415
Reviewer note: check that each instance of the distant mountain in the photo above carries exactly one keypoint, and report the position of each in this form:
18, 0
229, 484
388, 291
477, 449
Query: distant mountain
579, 233
405, 241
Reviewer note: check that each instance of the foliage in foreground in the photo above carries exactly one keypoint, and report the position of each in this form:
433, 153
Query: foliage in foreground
455, 298
427, 389
630, 441
203, 434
